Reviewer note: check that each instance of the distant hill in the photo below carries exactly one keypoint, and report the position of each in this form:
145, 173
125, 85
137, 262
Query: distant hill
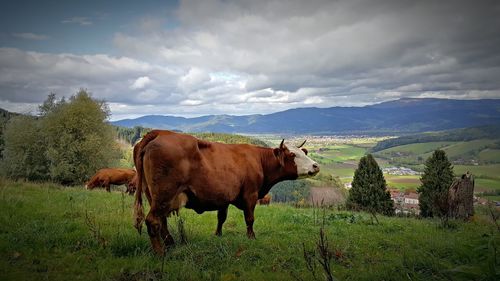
402, 116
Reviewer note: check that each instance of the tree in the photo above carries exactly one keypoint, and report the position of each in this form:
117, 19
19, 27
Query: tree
79, 140
290, 191
436, 179
369, 189
24, 155
67, 143
50, 104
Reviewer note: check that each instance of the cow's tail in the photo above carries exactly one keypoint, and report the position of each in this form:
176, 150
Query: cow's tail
138, 161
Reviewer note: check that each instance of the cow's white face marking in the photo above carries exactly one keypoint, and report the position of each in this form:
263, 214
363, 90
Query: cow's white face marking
306, 167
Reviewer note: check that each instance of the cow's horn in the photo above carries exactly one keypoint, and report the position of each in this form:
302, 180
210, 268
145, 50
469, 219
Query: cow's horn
282, 144
302, 144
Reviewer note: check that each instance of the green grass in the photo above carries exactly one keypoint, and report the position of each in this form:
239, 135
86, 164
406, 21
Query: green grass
46, 234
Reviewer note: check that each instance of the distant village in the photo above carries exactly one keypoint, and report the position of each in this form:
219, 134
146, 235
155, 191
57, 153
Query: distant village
400, 171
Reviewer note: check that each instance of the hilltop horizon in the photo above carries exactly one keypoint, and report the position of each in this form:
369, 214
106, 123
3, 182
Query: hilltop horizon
406, 115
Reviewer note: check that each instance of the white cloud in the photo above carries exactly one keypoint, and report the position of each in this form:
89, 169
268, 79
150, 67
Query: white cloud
77, 20
195, 78
140, 83
31, 36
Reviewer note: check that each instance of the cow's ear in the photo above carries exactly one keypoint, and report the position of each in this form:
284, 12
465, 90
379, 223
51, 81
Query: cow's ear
305, 150
278, 152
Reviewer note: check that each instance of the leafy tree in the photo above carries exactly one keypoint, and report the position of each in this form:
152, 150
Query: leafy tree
24, 155
50, 104
436, 179
79, 140
369, 189
67, 143
290, 191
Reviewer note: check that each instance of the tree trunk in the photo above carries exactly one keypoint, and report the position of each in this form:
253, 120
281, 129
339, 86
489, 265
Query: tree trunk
461, 197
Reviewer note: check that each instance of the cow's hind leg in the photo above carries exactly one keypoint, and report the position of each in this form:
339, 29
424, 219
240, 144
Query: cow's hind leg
249, 219
165, 234
153, 222
221, 218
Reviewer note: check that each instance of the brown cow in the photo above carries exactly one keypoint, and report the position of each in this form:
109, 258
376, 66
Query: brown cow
108, 176
266, 200
176, 170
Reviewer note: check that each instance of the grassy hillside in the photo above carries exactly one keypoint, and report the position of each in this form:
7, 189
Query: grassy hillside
482, 151
456, 135
52, 233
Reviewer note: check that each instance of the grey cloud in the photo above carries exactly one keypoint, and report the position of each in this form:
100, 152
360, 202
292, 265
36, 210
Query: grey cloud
244, 57
30, 76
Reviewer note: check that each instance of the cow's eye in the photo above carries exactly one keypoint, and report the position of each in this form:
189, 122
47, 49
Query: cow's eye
292, 154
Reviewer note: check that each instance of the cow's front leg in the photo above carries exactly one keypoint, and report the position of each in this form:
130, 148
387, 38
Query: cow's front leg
107, 185
168, 240
249, 218
221, 218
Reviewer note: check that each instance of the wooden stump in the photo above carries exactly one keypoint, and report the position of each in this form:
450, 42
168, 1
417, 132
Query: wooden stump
461, 197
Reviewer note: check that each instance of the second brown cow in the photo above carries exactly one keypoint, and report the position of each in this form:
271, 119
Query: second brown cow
176, 170
108, 176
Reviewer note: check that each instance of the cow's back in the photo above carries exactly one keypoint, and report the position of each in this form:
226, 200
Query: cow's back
121, 176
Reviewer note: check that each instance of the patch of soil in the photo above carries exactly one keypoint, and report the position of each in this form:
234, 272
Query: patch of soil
326, 196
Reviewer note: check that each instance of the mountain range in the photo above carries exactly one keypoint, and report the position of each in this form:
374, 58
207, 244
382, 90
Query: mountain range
407, 115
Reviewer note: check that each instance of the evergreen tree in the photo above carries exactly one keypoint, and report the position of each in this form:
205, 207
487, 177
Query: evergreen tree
369, 189
436, 179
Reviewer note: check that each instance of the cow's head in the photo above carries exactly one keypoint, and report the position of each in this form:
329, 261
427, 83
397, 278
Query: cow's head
88, 186
295, 159
132, 185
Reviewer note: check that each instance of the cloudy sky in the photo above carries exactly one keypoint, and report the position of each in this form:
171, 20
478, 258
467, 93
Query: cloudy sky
191, 58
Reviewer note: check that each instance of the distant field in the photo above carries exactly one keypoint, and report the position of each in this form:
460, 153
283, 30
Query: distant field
417, 153
52, 233
490, 155
487, 184
416, 148
403, 182
485, 171
338, 153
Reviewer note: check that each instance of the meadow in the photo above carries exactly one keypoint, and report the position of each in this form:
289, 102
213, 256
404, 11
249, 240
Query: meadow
50, 232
